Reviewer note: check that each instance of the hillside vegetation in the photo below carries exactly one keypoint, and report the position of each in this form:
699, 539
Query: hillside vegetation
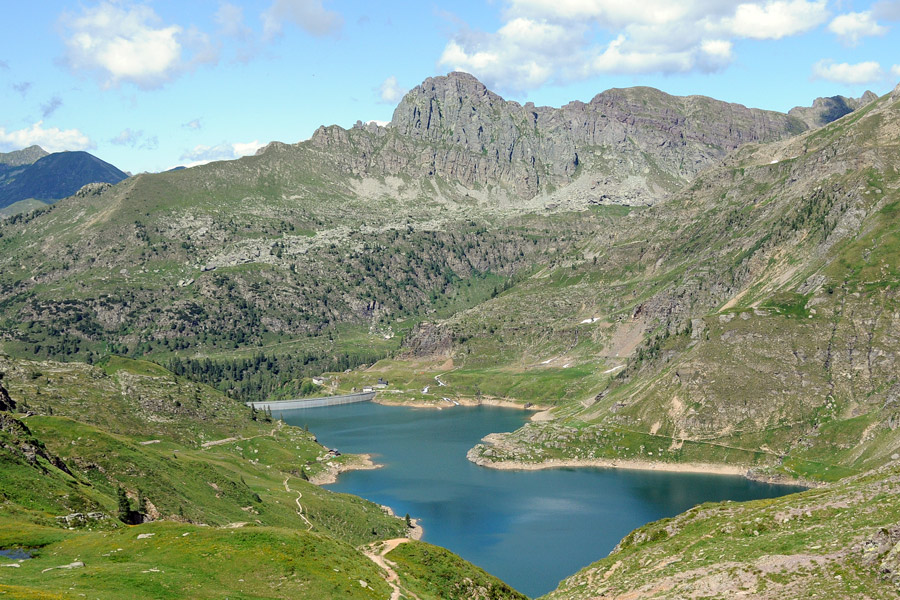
679, 281
218, 498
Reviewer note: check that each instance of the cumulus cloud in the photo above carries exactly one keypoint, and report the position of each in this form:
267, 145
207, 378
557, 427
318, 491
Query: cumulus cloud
852, 26
309, 15
775, 20
121, 42
390, 91
566, 40
200, 155
49, 107
51, 139
856, 74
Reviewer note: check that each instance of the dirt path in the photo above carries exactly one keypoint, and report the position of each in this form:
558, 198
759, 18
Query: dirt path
297, 500
241, 439
376, 553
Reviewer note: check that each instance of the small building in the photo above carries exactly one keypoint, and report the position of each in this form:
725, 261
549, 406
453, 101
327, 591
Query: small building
318, 380
368, 388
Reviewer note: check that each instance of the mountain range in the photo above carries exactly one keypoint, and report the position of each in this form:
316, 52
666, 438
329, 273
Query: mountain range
33, 174
681, 282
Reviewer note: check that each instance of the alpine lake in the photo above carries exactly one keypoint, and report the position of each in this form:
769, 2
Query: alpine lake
530, 528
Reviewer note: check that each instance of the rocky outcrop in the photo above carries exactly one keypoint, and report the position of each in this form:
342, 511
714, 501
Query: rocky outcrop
6, 403
825, 110
17, 440
428, 340
638, 139
92, 189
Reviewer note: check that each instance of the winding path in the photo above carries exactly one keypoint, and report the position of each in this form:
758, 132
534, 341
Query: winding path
297, 500
376, 552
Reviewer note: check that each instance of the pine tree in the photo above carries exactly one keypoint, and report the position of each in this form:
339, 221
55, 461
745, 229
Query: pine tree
124, 507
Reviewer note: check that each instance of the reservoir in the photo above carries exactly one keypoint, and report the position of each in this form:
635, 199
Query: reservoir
529, 528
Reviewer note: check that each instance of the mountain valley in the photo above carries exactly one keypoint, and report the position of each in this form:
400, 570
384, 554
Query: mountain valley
673, 281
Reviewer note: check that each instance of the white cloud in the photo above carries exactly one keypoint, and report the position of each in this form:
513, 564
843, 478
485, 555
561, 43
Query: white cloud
567, 40
609, 13
309, 15
860, 73
200, 155
895, 70
127, 43
51, 140
852, 26
390, 91
195, 125
775, 20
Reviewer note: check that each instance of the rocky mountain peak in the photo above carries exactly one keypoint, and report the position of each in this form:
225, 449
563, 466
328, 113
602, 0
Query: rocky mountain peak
628, 146
25, 156
448, 102
826, 110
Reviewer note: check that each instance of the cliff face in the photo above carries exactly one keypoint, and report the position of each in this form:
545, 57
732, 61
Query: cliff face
632, 145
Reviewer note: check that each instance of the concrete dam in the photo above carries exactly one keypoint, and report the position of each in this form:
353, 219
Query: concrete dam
277, 406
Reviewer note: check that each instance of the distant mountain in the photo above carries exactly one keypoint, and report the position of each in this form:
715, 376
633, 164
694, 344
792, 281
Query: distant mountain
51, 177
625, 146
825, 110
25, 156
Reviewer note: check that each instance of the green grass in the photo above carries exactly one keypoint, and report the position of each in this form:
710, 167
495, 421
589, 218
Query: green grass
431, 571
226, 522
183, 560
792, 546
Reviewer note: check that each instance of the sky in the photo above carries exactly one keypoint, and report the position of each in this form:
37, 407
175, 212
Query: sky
149, 85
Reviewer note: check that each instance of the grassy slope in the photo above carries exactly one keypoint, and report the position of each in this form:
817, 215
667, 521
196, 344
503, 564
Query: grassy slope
767, 326
837, 542
236, 501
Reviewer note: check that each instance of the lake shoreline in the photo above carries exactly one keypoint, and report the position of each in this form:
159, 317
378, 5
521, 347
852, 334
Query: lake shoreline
362, 462
463, 401
356, 462
639, 465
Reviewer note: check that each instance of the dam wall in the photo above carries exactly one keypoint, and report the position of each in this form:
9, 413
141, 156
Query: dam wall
277, 406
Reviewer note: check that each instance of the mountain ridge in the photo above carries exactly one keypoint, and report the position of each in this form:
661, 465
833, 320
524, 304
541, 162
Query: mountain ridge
735, 304
53, 176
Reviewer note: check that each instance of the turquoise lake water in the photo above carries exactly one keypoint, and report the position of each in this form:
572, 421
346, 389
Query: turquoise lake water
530, 528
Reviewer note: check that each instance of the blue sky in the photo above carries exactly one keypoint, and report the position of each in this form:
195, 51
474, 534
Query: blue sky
154, 84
